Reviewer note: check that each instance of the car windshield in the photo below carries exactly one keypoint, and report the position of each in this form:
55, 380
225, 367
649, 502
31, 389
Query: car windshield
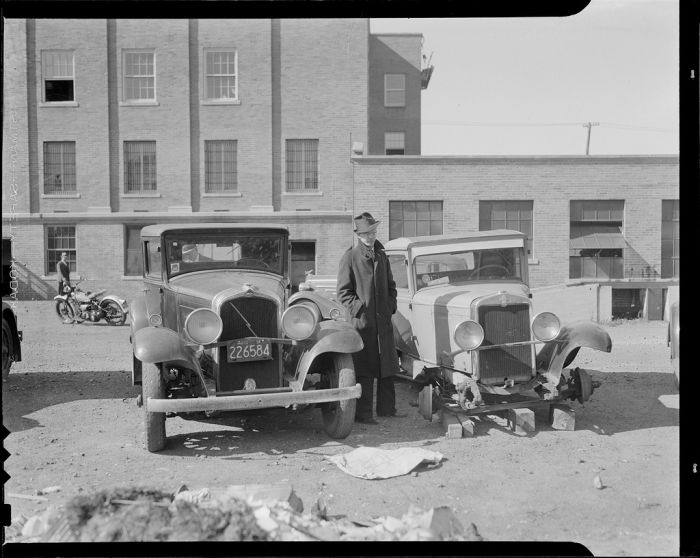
196, 251
496, 264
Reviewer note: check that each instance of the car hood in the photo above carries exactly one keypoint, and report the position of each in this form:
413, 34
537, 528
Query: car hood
208, 284
458, 298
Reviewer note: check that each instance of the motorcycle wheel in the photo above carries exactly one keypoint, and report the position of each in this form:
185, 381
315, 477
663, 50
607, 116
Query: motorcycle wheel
114, 315
65, 312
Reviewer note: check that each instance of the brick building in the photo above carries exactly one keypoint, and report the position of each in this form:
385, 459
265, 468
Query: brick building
114, 124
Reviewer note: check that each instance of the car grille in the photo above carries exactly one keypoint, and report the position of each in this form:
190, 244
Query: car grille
261, 313
505, 325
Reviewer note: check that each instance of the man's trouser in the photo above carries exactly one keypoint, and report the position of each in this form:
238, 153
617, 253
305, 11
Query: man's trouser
386, 396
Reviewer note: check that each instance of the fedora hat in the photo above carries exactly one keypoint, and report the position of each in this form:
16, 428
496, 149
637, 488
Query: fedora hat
365, 223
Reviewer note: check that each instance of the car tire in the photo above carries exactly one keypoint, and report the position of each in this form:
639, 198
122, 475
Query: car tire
65, 312
154, 423
7, 349
339, 416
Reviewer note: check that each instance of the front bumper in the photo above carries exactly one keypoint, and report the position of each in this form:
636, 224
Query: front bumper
252, 401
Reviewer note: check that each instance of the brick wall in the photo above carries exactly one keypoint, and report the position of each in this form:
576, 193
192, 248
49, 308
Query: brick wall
550, 182
395, 54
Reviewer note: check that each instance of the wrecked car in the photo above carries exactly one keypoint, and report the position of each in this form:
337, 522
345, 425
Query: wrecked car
11, 339
217, 329
465, 328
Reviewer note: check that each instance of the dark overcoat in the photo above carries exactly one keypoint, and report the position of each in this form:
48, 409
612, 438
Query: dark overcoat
367, 290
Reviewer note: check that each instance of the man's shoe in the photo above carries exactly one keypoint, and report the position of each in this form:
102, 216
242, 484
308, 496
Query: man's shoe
365, 420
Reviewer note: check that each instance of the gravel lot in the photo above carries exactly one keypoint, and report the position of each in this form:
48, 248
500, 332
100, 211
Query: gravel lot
71, 411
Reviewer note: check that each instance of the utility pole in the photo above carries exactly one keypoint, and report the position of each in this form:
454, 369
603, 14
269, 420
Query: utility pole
588, 139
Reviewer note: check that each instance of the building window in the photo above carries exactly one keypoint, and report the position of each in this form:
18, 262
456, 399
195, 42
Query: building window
60, 239
133, 263
59, 167
394, 143
139, 76
670, 239
596, 242
414, 218
513, 215
220, 166
57, 68
394, 90
221, 75
302, 165
139, 166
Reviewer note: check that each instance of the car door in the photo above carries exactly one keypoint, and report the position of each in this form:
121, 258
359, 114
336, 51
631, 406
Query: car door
403, 332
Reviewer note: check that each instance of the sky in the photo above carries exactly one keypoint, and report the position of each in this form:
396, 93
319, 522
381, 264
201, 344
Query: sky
527, 86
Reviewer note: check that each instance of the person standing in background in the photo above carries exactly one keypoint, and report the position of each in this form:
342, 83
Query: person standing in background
63, 271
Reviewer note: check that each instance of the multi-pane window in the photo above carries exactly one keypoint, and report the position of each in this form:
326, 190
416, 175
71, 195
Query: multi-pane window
220, 166
139, 166
596, 242
59, 167
394, 90
414, 218
513, 215
133, 263
58, 75
394, 143
139, 76
670, 238
221, 75
60, 239
302, 165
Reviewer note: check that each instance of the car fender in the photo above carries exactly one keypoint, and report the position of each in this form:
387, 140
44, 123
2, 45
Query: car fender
332, 337
139, 315
322, 301
557, 354
160, 344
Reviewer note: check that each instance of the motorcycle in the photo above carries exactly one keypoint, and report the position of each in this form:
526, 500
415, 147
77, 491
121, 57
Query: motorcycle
76, 305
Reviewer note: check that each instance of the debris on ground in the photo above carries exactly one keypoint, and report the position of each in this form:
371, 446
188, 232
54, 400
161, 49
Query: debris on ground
376, 463
236, 513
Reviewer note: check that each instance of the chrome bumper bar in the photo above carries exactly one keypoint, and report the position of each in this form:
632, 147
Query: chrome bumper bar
251, 401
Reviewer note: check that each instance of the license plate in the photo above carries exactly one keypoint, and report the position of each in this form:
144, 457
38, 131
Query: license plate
241, 350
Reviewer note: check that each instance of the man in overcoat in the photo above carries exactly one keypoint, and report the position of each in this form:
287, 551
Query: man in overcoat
367, 290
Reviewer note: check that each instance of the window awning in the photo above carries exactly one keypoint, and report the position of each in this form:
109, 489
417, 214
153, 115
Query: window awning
598, 241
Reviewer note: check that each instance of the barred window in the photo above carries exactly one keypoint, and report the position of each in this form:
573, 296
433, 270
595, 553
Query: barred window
58, 73
221, 166
670, 239
139, 76
60, 239
302, 165
221, 75
139, 166
414, 218
513, 215
394, 143
394, 90
59, 167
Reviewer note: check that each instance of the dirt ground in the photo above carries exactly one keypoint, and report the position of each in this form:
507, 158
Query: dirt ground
70, 409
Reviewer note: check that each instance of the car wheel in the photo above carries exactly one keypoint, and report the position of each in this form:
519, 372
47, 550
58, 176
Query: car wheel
339, 416
6, 349
65, 311
114, 315
153, 386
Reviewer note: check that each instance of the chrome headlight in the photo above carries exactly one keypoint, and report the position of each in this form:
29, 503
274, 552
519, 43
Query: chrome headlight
545, 326
203, 326
299, 321
469, 335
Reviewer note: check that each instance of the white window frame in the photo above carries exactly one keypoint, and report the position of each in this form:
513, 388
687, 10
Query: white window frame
205, 88
391, 137
44, 76
130, 101
388, 90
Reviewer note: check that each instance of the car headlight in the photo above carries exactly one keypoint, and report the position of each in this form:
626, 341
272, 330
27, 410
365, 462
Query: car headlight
203, 326
299, 321
545, 326
469, 335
